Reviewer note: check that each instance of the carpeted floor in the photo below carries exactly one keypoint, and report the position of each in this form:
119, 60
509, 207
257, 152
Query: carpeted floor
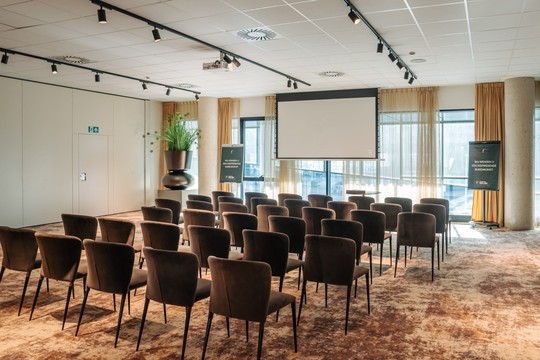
483, 304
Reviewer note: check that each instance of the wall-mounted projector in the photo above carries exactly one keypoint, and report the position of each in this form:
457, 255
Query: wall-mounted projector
217, 65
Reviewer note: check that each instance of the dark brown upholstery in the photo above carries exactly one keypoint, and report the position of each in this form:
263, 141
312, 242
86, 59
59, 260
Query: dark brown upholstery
342, 208
284, 196
117, 231
172, 280
251, 194
236, 223
362, 202
173, 205
439, 211
264, 211
216, 194
200, 197
417, 229
154, 213
446, 204
313, 216
19, 253
406, 203
81, 226
60, 260
230, 207
241, 290
319, 200
330, 260
390, 211
197, 217
110, 270
230, 199
160, 236
256, 201
200, 205
374, 230
295, 206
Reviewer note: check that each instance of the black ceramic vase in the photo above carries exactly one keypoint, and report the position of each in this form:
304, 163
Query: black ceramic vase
177, 162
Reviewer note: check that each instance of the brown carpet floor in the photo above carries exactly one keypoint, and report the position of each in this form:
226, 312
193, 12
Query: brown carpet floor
483, 304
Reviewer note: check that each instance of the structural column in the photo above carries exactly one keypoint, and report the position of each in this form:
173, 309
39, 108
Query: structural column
519, 153
208, 161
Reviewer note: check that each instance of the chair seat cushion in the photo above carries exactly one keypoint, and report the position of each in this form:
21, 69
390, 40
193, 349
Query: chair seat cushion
359, 271
279, 300
366, 249
138, 278
293, 263
203, 289
233, 255
137, 246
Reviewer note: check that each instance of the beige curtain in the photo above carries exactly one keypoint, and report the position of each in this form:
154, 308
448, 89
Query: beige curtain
426, 168
489, 126
227, 110
537, 93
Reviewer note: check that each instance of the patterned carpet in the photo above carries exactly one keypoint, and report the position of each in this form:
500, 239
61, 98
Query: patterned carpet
483, 304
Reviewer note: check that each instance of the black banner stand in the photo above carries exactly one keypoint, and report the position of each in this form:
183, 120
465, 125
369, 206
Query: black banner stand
489, 225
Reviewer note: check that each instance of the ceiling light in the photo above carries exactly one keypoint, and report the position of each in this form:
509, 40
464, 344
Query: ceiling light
406, 76
144, 87
236, 62
5, 58
97, 77
380, 47
354, 18
227, 58
399, 65
196, 97
102, 16
54, 69
168, 92
295, 85
392, 56
411, 80
289, 83
156, 35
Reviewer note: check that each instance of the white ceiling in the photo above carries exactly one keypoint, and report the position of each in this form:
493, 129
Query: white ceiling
462, 41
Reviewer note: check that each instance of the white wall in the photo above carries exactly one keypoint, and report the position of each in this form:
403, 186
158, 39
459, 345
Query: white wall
154, 115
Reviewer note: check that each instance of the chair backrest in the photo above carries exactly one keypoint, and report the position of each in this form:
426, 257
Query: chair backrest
313, 217
162, 236
342, 208
110, 266
154, 213
416, 229
406, 203
230, 207
19, 248
200, 197
197, 217
209, 241
236, 223
251, 194
374, 223
230, 199
240, 289
172, 276
256, 201
294, 228
60, 255
284, 196
439, 201
264, 211
216, 194
117, 230
390, 211
269, 247
319, 200
81, 226
200, 205
362, 202
439, 211
329, 259
349, 229
295, 206
173, 205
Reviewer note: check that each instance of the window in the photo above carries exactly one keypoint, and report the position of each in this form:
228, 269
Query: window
252, 136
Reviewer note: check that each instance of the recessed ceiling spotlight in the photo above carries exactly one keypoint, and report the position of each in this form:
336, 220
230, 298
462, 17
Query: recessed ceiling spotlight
256, 34
331, 73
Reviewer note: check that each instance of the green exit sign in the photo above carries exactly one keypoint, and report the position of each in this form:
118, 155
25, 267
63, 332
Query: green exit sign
93, 129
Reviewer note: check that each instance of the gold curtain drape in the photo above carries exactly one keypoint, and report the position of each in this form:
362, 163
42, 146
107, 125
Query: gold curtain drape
227, 109
489, 126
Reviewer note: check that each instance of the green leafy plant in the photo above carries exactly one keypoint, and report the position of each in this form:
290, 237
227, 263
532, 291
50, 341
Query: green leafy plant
177, 134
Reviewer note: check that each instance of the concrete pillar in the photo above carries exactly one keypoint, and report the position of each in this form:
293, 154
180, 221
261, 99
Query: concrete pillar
208, 150
519, 153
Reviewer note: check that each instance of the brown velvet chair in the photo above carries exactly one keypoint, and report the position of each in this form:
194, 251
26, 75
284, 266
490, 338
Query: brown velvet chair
390, 211
256, 201
251, 194
197, 217
172, 280
199, 205
154, 213
331, 260
264, 211
439, 211
60, 260
230, 199
236, 223
119, 231
295, 206
210, 241
342, 208
374, 223
351, 230
313, 216
110, 270
284, 196
159, 235
362, 202
216, 194
174, 206
19, 253
230, 207
319, 200
406, 203
446, 204
417, 229
81, 226
242, 290
200, 197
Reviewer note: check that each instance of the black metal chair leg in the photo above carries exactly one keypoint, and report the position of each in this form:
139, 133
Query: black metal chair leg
70, 289
207, 334
23, 293
397, 258
82, 310
146, 302
303, 294
380, 264
247, 331
367, 293
293, 309
122, 302
35, 297
259, 344
165, 313
186, 327
406, 255
347, 308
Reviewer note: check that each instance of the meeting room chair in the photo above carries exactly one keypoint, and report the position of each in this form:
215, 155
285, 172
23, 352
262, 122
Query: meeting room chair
446, 204
256, 201
313, 216
342, 208
159, 235
230, 207
174, 206
235, 223
216, 194
251, 194
295, 206
406, 203
284, 196
264, 211
196, 217
81, 226
154, 213
200, 205
390, 211
200, 197
362, 202
319, 200
439, 211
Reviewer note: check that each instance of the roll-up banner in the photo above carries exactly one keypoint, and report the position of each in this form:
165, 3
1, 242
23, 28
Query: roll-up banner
484, 165
232, 163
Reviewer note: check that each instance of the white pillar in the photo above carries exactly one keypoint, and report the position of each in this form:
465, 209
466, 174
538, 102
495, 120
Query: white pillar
208, 150
519, 153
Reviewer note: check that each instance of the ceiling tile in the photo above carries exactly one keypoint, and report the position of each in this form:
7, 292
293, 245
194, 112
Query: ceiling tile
275, 15
431, 14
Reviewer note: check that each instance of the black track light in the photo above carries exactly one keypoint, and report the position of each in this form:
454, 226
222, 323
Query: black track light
196, 97
406, 76
156, 35
392, 56
102, 16
54, 69
380, 47
5, 58
411, 80
295, 85
227, 58
168, 92
399, 65
236, 62
289, 83
144, 87
97, 78
354, 18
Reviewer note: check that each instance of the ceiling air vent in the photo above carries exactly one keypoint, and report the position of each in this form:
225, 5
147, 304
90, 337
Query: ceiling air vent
72, 59
257, 34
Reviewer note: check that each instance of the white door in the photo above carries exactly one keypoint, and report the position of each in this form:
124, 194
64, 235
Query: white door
93, 175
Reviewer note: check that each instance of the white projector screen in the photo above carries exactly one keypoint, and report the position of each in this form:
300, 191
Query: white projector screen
327, 125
